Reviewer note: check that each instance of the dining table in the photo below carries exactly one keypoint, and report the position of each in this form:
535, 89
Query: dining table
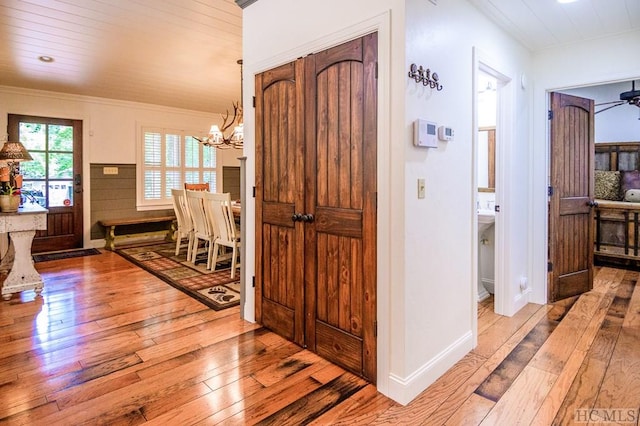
236, 209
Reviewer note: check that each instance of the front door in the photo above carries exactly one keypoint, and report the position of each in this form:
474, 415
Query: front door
54, 178
316, 136
571, 224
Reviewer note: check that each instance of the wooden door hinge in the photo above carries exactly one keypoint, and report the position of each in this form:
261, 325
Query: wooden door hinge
254, 192
375, 329
550, 191
376, 71
550, 114
253, 281
549, 266
254, 101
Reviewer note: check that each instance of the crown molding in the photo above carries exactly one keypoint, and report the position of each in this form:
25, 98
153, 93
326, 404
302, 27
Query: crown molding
245, 3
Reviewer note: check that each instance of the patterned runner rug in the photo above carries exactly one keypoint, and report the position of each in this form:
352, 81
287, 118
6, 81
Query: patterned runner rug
215, 289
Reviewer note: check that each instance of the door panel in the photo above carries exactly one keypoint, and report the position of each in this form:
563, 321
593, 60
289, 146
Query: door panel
316, 203
54, 178
279, 194
571, 218
341, 183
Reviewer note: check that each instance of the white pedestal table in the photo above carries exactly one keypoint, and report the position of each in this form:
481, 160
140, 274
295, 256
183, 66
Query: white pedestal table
21, 227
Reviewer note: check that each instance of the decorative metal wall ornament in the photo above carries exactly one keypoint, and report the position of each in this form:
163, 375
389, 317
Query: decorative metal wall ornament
425, 76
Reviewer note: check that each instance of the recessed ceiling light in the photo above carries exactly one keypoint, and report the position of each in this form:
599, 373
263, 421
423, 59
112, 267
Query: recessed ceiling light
46, 59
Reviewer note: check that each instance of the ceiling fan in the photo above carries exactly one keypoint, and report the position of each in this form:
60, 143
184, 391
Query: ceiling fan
631, 97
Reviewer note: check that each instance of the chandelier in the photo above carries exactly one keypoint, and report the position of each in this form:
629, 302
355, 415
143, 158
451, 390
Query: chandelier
221, 137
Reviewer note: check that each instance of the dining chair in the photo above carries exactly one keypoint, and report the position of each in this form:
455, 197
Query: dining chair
202, 229
218, 208
185, 224
196, 186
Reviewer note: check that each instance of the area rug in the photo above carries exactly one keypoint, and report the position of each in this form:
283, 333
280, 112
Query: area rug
215, 289
44, 257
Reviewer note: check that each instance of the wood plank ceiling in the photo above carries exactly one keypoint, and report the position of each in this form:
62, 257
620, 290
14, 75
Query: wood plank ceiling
541, 24
179, 53
183, 53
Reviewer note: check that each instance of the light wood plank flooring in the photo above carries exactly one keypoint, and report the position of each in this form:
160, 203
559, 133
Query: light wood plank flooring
109, 343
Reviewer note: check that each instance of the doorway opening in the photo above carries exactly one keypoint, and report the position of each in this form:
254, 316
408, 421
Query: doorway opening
487, 98
615, 121
492, 99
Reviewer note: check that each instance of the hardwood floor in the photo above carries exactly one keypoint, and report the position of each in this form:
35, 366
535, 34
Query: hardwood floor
109, 343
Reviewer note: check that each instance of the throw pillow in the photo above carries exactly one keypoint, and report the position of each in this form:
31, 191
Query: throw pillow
607, 185
629, 180
632, 195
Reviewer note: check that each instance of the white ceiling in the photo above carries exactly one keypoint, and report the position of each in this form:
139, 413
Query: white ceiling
183, 53
180, 53
541, 24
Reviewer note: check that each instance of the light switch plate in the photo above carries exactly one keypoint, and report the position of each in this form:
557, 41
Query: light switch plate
421, 188
109, 170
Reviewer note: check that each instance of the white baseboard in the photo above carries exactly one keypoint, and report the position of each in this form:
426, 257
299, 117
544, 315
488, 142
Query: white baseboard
489, 284
483, 294
522, 298
404, 390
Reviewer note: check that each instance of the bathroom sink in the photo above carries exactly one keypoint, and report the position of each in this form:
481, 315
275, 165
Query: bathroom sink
486, 218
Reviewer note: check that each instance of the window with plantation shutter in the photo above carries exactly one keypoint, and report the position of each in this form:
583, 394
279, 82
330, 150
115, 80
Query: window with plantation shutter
169, 158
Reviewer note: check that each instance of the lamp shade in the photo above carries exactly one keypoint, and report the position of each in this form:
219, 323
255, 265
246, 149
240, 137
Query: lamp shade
14, 152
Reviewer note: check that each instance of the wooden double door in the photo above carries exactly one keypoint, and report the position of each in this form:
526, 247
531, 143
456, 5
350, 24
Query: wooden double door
316, 132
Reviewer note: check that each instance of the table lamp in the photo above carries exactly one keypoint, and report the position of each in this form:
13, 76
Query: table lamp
13, 153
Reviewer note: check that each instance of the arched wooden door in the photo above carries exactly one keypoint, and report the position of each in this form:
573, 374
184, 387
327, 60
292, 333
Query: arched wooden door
316, 136
571, 225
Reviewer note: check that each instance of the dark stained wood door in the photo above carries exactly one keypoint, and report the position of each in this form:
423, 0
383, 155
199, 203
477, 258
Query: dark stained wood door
316, 203
340, 254
54, 178
571, 224
280, 195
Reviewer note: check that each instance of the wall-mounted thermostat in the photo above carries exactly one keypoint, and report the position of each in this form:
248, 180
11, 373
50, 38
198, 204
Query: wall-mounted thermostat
424, 133
445, 133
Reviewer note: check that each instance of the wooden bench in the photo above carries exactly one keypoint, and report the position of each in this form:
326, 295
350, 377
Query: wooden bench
110, 226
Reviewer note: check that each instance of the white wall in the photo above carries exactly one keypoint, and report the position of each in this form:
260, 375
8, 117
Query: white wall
426, 283
109, 126
440, 230
581, 64
618, 124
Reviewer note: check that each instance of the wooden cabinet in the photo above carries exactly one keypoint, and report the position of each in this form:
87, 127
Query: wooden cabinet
616, 233
617, 225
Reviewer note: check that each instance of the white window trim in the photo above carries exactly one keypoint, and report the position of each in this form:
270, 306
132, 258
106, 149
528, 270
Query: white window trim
166, 203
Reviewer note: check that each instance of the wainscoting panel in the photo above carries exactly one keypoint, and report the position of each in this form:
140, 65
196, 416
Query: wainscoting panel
114, 196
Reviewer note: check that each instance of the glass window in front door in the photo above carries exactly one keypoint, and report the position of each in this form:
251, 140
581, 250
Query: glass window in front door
48, 179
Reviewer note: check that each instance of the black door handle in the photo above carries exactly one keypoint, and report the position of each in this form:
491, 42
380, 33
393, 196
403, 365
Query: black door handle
307, 217
296, 217
592, 203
